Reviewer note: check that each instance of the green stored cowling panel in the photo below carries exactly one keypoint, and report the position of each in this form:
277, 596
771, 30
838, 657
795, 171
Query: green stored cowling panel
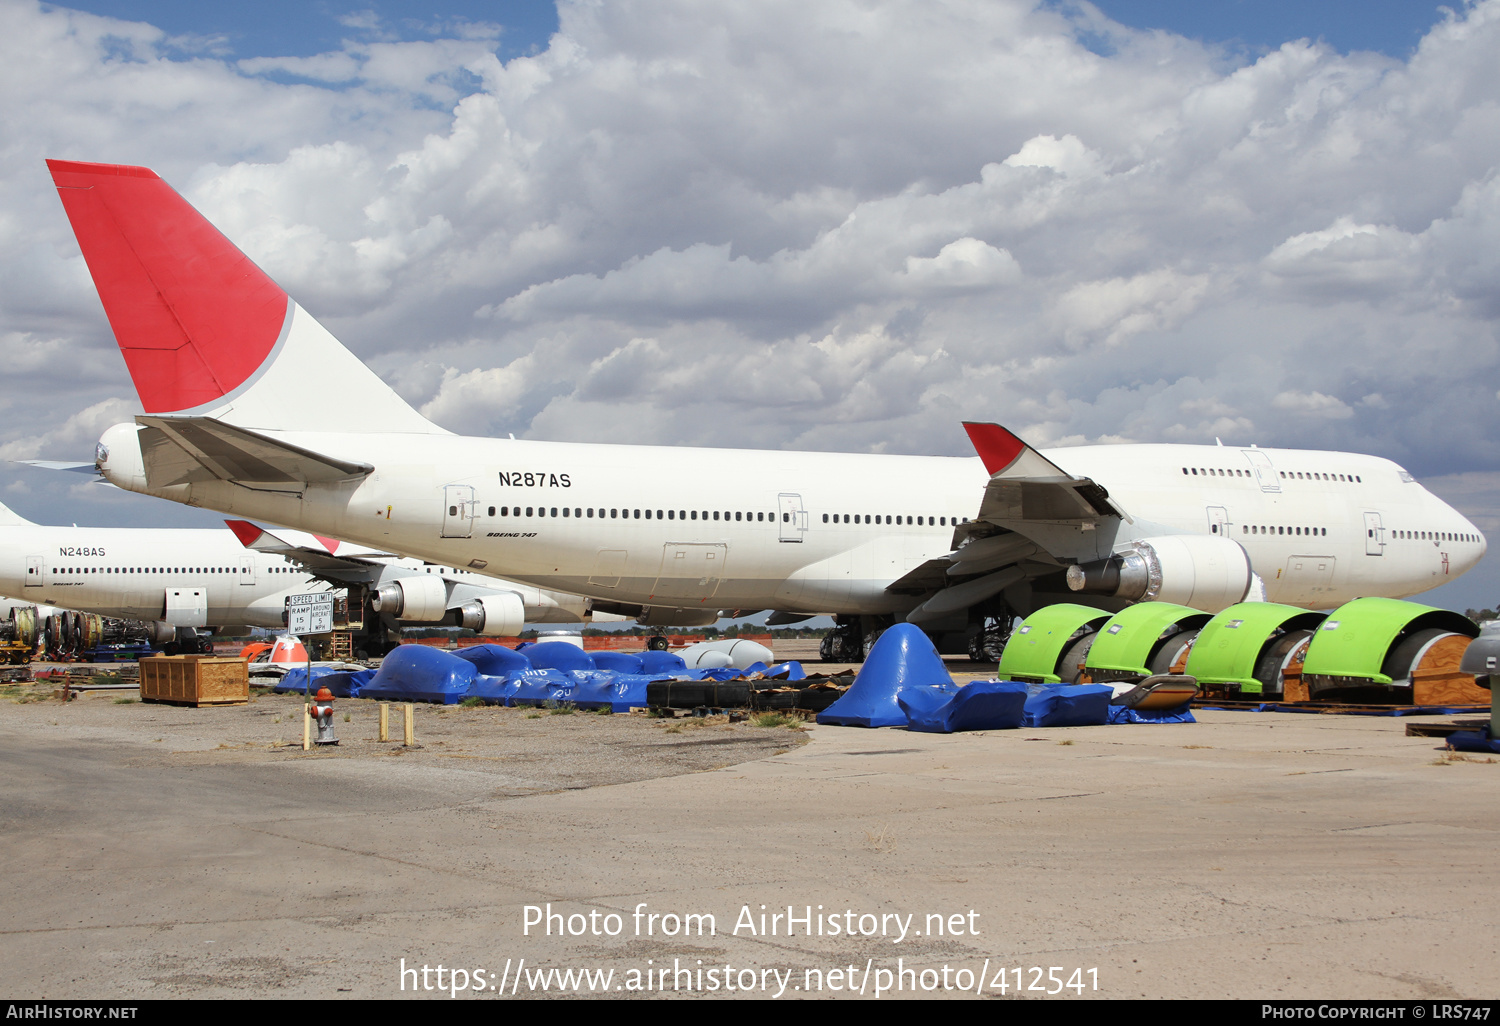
1355, 638
1126, 642
1229, 645
1035, 647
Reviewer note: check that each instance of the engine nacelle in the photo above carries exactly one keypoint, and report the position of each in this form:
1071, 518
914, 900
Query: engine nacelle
501, 615
1187, 569
421, 598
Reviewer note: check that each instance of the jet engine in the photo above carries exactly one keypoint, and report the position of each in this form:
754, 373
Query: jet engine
422, 598
501, 615
1187, 569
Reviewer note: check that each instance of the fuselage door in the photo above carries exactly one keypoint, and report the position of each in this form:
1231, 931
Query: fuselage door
1218, 521
458, 511
34, 571
1374, 535
793, 517
247, 570
690, 570
186, 607
1265, 473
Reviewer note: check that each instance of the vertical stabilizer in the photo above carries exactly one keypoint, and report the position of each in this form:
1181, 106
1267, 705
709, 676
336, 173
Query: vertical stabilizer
203, 330
10, 518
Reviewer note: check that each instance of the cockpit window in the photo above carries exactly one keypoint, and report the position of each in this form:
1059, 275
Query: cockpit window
1405, 476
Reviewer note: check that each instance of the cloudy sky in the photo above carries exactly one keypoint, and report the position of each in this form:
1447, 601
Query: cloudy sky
838, 225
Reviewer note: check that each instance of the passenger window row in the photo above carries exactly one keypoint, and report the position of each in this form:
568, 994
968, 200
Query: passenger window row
740, 516
580, 513
1286, 475
1282, 529
146, 570
1433, 536
866, 518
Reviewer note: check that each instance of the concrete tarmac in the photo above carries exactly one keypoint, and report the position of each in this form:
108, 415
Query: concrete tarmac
1266, 855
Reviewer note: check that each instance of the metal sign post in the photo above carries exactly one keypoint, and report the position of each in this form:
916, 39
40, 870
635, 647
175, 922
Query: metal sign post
309, 614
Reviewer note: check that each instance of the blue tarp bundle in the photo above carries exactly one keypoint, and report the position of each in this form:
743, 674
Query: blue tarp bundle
981, 705
1181, 714
620, 662
661, 662
1068, 705
559, 655
495, 660
792, 669
538, 687
295, 679
620, 692
494, 690
1472, 741
416, 673
903, 658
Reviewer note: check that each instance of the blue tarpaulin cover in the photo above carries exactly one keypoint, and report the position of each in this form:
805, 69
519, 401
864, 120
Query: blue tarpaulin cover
661, 662
494, 690
1068, 705
792, 669
621, 692
340, 683
1472, 741
295, 679
902, 658
620, 662
559, 655
1181, 714
417, 673
538, 687
981, 705
495, 660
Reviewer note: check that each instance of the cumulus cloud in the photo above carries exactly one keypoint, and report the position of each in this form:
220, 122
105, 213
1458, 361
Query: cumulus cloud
859, 224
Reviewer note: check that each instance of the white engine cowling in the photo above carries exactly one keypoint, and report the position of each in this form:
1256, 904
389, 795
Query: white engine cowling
501, 615
421, 598
1188, 569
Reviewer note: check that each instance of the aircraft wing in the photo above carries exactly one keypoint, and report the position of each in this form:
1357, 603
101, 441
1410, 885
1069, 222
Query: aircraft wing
342, 564
1027, 498
312, 551
179, 450
1025, 485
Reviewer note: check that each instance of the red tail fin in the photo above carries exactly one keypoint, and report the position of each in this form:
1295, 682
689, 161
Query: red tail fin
194, 317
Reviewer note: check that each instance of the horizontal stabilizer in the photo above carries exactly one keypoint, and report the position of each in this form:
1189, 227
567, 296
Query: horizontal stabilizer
77, 468
229, 453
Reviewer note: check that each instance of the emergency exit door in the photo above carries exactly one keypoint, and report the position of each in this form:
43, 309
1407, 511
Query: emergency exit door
458, 511
793, 517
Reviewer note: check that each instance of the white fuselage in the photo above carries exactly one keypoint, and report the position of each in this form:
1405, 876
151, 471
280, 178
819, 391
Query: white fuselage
190, 578
828, 532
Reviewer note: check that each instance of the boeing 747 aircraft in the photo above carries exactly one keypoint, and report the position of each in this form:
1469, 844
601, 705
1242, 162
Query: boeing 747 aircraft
228, 366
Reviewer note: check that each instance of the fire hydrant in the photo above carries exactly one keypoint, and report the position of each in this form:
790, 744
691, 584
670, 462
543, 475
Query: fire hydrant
322, 712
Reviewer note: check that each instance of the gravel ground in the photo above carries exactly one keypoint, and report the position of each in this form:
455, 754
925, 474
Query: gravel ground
529, 751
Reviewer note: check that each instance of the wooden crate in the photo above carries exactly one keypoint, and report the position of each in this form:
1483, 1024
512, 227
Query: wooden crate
195, 680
